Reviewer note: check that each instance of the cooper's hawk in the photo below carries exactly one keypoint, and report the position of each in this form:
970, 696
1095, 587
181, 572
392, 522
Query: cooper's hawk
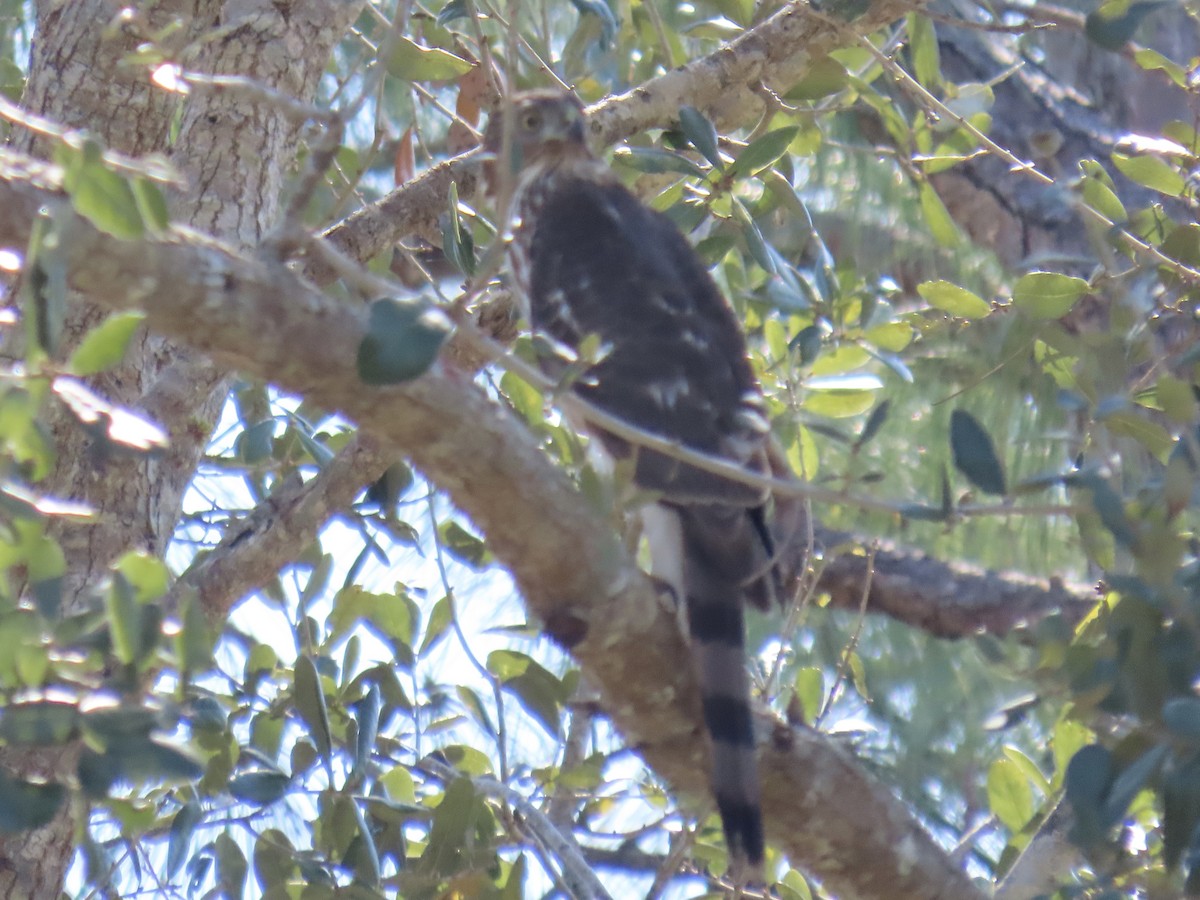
588, 258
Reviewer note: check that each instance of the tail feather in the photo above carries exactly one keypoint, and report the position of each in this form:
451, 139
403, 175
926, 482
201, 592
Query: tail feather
718, 647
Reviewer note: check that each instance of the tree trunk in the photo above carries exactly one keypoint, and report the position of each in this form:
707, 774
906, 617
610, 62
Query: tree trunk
233, 148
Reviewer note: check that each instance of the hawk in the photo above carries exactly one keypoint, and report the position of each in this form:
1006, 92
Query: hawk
587, 257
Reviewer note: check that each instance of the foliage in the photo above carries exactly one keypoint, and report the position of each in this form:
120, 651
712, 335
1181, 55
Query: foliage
380, 721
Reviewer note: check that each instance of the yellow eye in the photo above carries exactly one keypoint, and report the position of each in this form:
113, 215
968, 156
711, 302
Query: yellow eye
530, 120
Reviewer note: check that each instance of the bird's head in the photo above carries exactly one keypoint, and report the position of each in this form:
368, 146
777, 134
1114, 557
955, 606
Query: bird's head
541, 126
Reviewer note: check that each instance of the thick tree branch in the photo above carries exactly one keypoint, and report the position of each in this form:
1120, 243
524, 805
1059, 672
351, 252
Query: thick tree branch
256, 316
949, 600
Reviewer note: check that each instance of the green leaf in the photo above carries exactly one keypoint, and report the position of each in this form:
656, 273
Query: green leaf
702, 134
39, 722
656, 160
1098, 192
975, 454
1009, 795
464, 546
367, 715
457, 242
874, 422
1181, 715
1115, 21
825, 76
274, 859
147, 574
1151, 172
100, 195
838, 404
401, 343
763, 151
1088, 777
452, 820
104, 346
183, 826
151, 204
941, 225
440, 618
259, 788
1047, 295
923, 47
123, 619
412, 62
954, 300
193, 642
1111, 509
809, 686
231, 866
1181, 810
310, 704
25, 805
1131, 781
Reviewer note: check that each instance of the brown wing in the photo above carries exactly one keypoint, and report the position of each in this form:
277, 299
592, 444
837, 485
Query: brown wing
602, 263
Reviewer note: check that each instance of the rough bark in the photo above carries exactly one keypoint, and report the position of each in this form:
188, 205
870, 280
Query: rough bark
233, 149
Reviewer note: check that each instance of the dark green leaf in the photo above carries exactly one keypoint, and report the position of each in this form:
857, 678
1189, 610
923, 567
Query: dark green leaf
367, 715
401, 342
457, 242
231, 866
310, 704
193, 642
655, 160
39, 722
1111, 510
763, 151
183, 826
274, 858
123, 619
874, 422
255, 444
702, 134
25, 805
455, 9
366, 869
452, 820
1086, 782
975, 454
1132, 780
259, 788
1114, 22
1181, 715
1181, 810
